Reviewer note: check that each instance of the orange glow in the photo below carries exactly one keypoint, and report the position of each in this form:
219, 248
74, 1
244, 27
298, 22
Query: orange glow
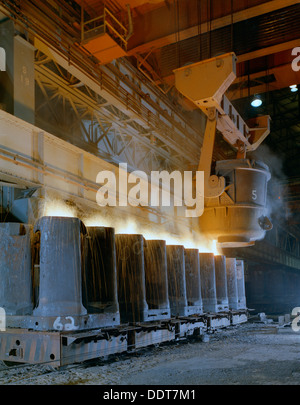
58, 208
96, 220
130, 226
214, 248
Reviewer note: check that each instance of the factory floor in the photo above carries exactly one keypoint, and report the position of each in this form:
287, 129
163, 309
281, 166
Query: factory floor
247, 354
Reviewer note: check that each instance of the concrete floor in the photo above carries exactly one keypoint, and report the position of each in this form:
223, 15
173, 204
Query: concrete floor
252, 353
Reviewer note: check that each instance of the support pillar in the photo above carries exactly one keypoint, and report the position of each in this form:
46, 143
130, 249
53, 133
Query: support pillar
17, 83
24, 80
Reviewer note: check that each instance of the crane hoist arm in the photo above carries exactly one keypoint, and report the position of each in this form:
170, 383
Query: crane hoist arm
205, 83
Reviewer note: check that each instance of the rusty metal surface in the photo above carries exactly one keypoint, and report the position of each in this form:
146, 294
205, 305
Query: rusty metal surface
193, 281
60, 267
15, 268
208, 282
99, 276
232, 288
221, 283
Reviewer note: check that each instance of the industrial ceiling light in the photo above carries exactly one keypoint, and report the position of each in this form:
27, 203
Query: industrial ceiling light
256, 102
294, 87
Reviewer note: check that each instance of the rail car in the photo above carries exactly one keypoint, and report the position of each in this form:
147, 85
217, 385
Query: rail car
71, 293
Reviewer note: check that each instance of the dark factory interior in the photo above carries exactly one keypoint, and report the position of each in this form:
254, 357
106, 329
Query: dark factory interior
149, 193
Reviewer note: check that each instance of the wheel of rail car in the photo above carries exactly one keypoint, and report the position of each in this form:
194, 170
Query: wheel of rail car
8, 364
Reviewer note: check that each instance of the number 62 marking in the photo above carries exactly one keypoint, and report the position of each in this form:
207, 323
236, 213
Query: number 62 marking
58, 325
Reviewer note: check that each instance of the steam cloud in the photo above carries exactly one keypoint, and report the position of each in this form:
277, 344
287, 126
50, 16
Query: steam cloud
277, 208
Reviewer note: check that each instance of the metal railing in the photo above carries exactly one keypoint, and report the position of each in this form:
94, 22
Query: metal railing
107, 23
